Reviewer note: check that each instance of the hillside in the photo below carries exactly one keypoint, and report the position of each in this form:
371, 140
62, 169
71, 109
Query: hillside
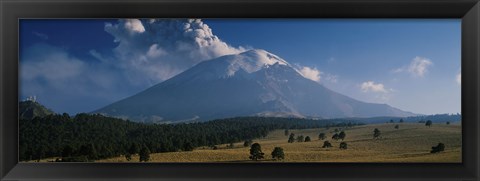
412, 142
32, 109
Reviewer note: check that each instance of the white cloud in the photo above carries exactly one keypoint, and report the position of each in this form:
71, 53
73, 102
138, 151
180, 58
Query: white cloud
458, 78
311, 73
314, 74
134, 26
371, 86
398, 70
419, 66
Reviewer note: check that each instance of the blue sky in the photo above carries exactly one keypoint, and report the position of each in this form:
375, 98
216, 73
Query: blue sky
81, 65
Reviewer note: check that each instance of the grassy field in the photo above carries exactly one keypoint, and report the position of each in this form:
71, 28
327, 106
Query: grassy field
412, 142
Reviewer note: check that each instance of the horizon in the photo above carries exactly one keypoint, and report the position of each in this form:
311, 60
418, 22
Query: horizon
416, 70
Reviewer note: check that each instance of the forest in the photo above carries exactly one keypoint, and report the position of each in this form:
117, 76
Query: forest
90, 137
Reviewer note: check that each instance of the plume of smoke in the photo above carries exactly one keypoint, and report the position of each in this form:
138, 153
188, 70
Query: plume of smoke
154, 50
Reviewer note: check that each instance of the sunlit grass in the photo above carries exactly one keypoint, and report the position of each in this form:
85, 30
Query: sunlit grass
412, 142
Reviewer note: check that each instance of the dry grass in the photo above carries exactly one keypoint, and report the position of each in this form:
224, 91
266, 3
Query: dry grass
411, 143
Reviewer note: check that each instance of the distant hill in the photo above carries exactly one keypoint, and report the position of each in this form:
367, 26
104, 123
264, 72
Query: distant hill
32, 109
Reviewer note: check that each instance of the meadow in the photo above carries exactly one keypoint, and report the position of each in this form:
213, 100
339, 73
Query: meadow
411, 142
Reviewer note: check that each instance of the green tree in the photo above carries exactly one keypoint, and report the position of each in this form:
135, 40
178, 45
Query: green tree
428, 123
396, 126
322, 136
376, 133
144, 154
391, 120
326, 144
291, 138
401, 120
278, 153
448, 122
439, 148
343, 145
256, 152
307, 139
342, 135
300, 138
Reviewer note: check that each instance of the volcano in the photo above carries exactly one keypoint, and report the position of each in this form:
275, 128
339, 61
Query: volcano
252, 83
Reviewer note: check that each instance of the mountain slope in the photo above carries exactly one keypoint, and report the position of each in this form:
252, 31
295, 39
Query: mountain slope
32, 109
255, 82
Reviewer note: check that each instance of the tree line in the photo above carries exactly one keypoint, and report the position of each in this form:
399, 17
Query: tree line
86, 137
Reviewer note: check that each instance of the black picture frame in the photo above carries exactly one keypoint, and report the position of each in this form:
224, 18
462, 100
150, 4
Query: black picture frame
11, 11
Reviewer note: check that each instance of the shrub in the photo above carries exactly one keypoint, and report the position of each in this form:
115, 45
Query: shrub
439, 148
326, 144
376, 133
307, 139
322, 136
247, 143
300, 138
291, 138
428, 123
278, 153
343, 145
256, 152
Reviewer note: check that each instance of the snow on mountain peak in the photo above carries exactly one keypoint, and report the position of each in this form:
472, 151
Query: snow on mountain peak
251, 61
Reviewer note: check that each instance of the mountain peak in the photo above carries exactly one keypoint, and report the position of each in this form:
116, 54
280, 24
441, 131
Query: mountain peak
263, 57
249, 61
